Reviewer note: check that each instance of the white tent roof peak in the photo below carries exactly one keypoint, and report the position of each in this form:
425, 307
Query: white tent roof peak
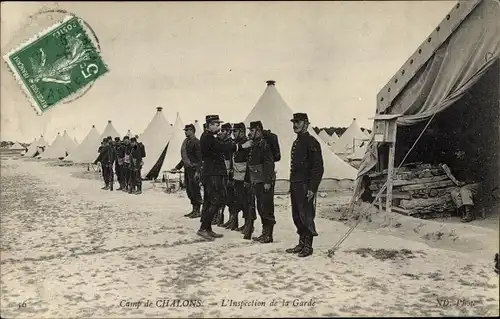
86, 152
155, 138
352, 137
275, 114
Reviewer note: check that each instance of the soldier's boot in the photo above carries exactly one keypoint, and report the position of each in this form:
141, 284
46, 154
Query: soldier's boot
214, 234
297, 249
242, 228
191, 213
205, 235
139, 189
234, 224
229, 221
196, 212
264, 230
220, 220
111, 186
247, 233
307, 250
216, 218
469, 215
268, 237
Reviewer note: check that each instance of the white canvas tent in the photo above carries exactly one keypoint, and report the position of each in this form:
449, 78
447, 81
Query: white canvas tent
18, 147
69, 144
358, 154
32, 148
198, 128
352, 138
275, 115
109, 130
86, 152
129, 134
155, 139
56, 150
76, 141
173, 154
329, 140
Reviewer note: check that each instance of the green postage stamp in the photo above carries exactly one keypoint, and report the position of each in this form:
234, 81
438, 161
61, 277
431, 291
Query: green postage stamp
56, 64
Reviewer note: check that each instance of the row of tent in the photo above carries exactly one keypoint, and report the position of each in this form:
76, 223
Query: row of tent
350, 145
163, 141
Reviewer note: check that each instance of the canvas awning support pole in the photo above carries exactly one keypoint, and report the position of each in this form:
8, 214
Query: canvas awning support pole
390, 176
363, 214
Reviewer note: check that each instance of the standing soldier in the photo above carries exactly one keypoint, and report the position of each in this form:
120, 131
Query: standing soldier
305, 176
260, 173
225, 136
119, 162
242, 191
111, 162
135, 167
214, 170
106, 158
98, 160
127, 148
143, 154
191, 161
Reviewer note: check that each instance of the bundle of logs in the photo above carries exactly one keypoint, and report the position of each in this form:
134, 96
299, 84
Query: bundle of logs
419, 190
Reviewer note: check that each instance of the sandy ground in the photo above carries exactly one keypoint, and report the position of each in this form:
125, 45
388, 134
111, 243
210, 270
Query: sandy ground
70, 249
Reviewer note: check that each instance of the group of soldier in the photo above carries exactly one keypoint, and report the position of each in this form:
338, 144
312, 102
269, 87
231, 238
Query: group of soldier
237, 171
126, 157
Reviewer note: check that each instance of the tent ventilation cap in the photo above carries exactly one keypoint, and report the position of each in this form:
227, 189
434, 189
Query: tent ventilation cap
159, 109
270, 82
109, 121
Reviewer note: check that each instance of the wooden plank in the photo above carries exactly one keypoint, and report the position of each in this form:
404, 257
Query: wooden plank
390, 177
426, 202
427, 185
447, 170
398, 195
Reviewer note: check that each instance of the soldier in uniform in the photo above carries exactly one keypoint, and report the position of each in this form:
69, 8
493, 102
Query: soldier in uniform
124, 158
305, 176
191, 161
260, 173
119, 162
98, 160
214, 170
143, 154
225, 136
135, 167
106, 158
242, 191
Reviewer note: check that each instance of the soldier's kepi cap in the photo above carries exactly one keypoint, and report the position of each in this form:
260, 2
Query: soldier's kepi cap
299, 117
238, 126
133, 139
256, 124
212, 118
189, 127
117, 139
226, 126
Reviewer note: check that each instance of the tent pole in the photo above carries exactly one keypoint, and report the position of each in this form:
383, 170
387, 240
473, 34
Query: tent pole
390, 173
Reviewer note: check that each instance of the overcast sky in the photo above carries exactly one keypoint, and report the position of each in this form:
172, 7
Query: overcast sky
328, 59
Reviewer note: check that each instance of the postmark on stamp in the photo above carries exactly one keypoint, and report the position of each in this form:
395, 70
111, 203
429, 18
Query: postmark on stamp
56, 64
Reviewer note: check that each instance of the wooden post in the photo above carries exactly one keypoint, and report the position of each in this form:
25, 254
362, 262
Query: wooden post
390, 174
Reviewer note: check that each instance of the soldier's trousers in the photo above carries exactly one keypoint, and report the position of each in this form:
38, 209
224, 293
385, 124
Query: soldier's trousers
214, 195
265, 203
229, 198
192, 186
135, 178
118, 171
243, 200
107, 173
126, 175
303, 210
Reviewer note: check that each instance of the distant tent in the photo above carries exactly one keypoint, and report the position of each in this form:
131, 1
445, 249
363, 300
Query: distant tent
275, 114
198, 128
173, 153
325, 137
32, 148
76, 141
56, 150
367, 134
358, 154
155, 139
129, 134
109, 130
352, 138
69, 144
17, 146
334, 137
86, 152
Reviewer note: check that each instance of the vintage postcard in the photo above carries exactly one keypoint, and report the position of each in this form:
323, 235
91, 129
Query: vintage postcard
249, 159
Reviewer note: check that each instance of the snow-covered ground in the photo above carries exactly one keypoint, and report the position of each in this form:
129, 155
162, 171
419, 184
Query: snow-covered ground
70, 249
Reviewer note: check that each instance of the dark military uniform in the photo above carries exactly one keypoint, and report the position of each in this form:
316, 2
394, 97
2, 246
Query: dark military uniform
228, 182
143, 154
214, 171
124, 159
107, 159
260, 172
305, 175
191, 161
242, 189
118, 163
135, 168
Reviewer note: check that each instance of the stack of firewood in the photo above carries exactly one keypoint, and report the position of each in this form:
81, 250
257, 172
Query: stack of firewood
420, 190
